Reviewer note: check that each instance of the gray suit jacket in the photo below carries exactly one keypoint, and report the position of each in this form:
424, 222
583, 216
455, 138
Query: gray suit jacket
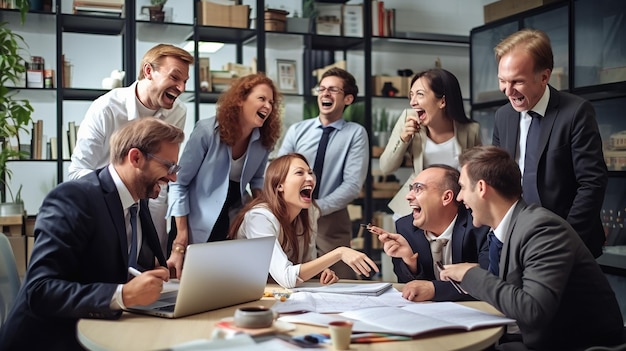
571, 174
550, 283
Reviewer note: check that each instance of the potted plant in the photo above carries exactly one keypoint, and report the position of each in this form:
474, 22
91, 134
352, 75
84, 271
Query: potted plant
15, 113
156, 10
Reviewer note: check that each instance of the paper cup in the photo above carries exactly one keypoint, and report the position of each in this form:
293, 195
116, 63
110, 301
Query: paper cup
340, 332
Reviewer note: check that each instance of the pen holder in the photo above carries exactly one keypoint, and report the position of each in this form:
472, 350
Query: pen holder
254, 317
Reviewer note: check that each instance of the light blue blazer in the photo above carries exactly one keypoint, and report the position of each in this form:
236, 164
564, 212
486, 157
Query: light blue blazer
202, 183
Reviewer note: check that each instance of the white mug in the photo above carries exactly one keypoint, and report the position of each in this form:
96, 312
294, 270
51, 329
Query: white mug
254, 317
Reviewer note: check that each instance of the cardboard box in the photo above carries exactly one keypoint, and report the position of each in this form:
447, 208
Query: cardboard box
505, 8
12, 225
400, 83
223, 15
18, 244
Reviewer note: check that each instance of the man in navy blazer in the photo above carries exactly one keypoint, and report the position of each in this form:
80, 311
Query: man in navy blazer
547, 279
436, 215
571, 174
79, 264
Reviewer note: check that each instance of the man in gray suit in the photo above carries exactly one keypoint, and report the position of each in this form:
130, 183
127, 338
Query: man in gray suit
553, 136
548, 281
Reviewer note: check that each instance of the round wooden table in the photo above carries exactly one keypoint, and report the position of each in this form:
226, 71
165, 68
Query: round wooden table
139, 332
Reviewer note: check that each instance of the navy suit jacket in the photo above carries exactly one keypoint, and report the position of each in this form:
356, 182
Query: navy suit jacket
79, 258
469, 244
571, 174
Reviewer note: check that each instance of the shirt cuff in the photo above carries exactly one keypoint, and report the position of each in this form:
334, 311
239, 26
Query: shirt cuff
117, 302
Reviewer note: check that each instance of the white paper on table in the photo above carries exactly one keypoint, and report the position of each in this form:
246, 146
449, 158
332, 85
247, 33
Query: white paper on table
335, 303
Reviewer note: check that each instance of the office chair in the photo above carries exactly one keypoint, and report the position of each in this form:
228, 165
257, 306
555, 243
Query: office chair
9, 278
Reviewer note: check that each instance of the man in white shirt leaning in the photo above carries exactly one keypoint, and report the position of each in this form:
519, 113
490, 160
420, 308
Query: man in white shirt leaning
162, 77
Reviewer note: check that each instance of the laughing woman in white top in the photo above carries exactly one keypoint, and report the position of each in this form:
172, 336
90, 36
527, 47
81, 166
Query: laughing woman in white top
435, 130
286, 210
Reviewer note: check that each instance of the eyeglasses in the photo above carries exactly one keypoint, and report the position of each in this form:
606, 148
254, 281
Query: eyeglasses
332, 90
172, 168
417, 187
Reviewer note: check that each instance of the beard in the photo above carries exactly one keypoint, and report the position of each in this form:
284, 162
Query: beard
147, 186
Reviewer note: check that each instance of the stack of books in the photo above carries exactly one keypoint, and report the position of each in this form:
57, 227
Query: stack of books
112, 8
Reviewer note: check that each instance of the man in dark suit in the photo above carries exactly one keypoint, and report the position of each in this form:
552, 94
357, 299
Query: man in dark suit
566, 172
547, 281
436, 216
80, 262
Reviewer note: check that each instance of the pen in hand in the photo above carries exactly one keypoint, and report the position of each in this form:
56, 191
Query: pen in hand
368, 227
455, 284
133, 271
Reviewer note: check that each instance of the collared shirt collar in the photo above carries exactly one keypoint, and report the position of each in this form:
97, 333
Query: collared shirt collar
338, 124
542, 105
122, 190
447, 234
500, 231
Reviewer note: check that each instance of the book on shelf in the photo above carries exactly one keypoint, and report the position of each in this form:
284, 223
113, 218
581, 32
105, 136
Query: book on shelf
36, 143
411, 320
54, 150
72, 129
373, 289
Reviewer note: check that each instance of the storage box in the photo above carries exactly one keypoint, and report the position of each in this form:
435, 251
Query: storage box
353, 20
218, 15
400, 83
298, 25
329, 19
275, 20
506, 8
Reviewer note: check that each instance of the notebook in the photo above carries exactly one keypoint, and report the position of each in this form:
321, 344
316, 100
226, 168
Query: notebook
216, 275
373, 289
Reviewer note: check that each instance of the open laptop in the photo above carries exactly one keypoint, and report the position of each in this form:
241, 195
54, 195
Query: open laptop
216, 275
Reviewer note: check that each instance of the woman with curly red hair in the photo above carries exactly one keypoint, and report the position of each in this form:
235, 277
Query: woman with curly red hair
224, 154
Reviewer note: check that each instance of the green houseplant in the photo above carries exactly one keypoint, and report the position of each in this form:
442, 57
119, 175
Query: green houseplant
15, 114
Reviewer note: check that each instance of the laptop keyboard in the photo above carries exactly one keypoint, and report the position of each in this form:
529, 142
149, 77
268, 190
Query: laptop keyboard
168, 308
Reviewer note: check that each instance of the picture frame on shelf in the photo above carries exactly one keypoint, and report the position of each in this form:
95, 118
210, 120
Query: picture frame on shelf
287, 76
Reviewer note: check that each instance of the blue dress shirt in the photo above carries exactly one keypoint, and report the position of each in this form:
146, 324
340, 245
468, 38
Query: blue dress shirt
345, 163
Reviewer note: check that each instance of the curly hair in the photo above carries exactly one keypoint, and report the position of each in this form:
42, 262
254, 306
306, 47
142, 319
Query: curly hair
229, 111
300, 227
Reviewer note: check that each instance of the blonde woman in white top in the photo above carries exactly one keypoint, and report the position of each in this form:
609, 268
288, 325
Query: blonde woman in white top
434, 131
285, 209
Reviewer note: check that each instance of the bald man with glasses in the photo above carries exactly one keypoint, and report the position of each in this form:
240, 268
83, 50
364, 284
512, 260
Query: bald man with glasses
439, 231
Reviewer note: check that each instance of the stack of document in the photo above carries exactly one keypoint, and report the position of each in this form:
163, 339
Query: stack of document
410, 320
373, 289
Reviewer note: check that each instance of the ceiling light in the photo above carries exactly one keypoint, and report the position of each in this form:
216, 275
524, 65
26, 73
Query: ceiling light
204, 47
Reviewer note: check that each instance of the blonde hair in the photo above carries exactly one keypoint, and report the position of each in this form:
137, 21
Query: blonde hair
155, 55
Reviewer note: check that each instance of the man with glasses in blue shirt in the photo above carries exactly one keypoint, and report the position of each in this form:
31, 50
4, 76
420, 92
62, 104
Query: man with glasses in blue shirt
339, 153
439, 231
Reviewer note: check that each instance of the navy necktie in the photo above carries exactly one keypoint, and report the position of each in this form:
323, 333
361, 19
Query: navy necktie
132, 256
495, 247
318, 166
529, 180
